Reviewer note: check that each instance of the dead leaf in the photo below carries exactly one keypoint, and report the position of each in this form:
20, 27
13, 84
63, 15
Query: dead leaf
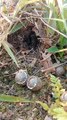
46, 62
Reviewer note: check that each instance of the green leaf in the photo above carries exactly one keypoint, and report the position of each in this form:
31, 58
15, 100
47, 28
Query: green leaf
44, 105
9, 98
14, 99
7, 48
16, 27
62, 41
60, 26
53, 79
60, 114
65, 12
53, 49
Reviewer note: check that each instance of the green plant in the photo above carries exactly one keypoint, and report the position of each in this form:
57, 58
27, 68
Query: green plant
56, 20
8, 23
56, 109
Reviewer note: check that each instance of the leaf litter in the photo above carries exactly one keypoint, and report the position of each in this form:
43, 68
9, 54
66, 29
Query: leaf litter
32, 55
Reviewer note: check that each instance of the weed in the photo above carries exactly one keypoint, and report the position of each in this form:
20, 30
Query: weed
56, 109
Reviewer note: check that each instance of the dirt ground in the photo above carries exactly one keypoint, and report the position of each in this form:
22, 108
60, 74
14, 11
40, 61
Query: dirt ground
31, 53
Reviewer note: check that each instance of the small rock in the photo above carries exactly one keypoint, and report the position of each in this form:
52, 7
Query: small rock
48, 118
